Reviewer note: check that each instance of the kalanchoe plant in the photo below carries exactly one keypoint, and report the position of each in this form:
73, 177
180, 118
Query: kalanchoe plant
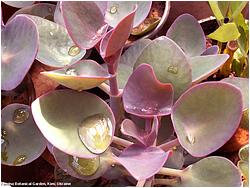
158, 108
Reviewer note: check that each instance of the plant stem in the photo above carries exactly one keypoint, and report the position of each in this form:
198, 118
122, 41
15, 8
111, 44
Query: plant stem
121, 141
167, 146
170, 172
170, 182
105, 87
140, 183
148, 124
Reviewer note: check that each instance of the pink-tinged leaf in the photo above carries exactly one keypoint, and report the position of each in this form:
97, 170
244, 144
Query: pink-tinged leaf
102, 6
207, 114
188, 34
58, 18
205, 66
243, 85
166, 130
169, 62
22, 142
85, 74
130, 129
43, 10
142, 162
211, 50
145, 96
84, 22
117, 10
19, 4
116, 38
19, 48
59, 115
63, 161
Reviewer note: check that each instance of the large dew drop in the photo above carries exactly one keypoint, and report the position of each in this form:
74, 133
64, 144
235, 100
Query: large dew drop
71, 72
113, 9
20, 115
173, 69
20, 159
74, 50
96, 133
190, 139
84, 167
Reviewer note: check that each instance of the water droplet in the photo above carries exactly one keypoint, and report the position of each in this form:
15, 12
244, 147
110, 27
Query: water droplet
174, 148
96, 133
20, 159
74, 50
190, 139
50, 9
113, 9
71, 71
84, 167
20, 115
173, 69
113, 165
51, 33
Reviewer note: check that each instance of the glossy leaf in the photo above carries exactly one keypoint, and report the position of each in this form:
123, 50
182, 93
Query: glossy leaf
116, 38
207, 114
130, 129
59, 115
148, 25
19, 48
130, 56
244, 153
169, 63
145, 96
213, 50
188, 34
214, 5
22, 142
89, 20
117, 10
205, 66
85, 74
58, 18
43, 10
243, 85
19, 4
226, 32
63, 161
237, 7
142, 162
211, 172
56, 49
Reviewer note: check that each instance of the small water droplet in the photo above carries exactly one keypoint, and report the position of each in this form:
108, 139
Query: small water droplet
51, 33
173, 69
71, 71
20, 159
113, 165
174, 148
96, 132
74, 50
20, 115
190, 139
84, 167
113, 9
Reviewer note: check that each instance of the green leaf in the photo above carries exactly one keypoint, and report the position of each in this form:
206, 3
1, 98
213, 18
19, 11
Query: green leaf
237, 7
223, 6
216, 10
243, 41
237, 67
226, 32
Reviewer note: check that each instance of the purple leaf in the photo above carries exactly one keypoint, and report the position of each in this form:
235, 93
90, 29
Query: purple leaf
207, 115
116, 38
143, 162
84, 22
211, 50
59, 115
22, 142
145, 96
19, 4
19, 49
130, 129
188, 34
102, 6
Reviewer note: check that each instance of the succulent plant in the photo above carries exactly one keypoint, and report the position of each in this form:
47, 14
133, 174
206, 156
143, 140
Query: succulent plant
160, 101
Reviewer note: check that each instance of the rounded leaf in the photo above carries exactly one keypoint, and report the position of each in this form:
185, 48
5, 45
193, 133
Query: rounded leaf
142, 162
188, 34
22, 142
56, 49
211, 50
19, 4
117, 10
145, 96
85, 74
59, 115
19, 48
84, 22
169, 63
207, 114
244, 153
211, 172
